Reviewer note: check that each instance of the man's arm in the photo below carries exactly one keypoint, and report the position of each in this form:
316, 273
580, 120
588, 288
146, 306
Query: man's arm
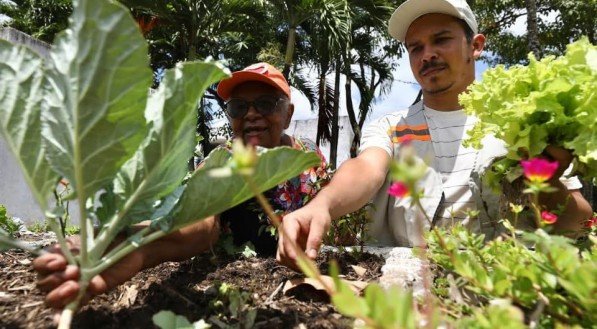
60, 280
353, 185
183, 244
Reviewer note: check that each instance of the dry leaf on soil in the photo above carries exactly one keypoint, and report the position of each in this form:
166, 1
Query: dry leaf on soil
356, 286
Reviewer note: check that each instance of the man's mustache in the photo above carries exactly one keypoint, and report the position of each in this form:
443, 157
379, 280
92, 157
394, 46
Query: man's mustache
432, 65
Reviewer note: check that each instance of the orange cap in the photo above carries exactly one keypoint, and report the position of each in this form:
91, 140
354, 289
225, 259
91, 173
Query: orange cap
262, 72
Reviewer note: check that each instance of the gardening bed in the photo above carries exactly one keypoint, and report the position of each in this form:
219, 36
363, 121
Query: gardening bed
188, 288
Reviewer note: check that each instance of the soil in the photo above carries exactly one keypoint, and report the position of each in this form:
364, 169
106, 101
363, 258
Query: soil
188, 288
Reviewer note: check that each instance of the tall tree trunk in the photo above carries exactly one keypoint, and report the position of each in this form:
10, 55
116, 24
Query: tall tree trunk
532, 30
192, 34
350, 108
335, 117
290, 43
202, 130
321, 105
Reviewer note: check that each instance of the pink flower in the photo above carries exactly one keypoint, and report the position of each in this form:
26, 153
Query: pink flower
538, 170
406, 139
591, 222
548, 217
399, 190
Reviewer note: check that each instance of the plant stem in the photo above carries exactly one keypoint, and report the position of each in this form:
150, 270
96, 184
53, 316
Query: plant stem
111, 228
62, 242
536, 210
304, 259
124, 249
66, 317
67, 314
417, 202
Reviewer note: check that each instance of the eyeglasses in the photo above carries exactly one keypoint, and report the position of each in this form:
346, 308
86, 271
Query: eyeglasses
265, 105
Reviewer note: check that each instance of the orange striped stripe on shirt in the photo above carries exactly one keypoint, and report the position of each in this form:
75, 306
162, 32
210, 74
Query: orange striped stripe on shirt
400, 133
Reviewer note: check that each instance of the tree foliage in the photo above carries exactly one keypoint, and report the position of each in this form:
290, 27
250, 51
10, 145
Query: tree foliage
559, 23
41, 19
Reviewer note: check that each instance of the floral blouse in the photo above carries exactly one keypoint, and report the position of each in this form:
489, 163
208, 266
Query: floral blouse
247, 222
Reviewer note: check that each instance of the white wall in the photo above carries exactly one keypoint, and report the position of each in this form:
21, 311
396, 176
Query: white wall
14, 191
308, 128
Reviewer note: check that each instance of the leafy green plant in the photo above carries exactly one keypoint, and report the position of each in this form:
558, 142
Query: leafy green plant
7, 224
60, 192
72, 230
549, 102
85, 114
169, 320
39, 227
350, 229
554, 283
379, 308
233, 308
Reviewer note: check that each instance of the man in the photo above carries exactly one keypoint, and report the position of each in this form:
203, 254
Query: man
442, 42
259, 110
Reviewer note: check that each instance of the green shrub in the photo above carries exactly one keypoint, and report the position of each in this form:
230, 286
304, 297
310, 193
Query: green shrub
7, 223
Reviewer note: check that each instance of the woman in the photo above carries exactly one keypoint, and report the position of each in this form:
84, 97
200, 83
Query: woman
259, 108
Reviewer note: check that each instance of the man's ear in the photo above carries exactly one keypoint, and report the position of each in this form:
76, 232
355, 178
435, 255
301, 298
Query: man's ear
289, 113
478, 44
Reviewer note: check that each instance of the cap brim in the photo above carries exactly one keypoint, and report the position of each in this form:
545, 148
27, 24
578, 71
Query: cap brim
409, 11
226, 86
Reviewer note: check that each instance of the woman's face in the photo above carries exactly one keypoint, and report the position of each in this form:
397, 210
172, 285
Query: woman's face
254, 127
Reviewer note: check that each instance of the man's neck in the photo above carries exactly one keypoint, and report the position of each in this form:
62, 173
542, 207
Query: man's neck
445, 103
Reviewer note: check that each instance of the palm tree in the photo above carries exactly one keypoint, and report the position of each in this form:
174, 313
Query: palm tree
374, 53
328, 13
184, 30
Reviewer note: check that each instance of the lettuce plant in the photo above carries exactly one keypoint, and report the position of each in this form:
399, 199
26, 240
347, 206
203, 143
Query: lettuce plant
86, 114
552, 101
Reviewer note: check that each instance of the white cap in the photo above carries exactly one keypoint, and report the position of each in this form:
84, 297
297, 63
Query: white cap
409, 11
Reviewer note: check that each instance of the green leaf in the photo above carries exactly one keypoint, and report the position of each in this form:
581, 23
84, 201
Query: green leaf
5, 239
159, 166
169, 320
21, 80
206, 195
99, 78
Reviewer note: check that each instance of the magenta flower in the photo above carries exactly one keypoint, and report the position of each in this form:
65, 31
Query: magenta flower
538, 170
548, 217
399, 190
591, 222
406, 139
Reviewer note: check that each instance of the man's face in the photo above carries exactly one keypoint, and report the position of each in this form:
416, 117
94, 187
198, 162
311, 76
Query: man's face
254, 127
441, 59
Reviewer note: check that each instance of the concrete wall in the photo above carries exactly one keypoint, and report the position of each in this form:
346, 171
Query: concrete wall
14, 191
18, 37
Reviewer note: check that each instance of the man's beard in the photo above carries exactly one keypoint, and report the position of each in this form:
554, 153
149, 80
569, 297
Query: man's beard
438, 90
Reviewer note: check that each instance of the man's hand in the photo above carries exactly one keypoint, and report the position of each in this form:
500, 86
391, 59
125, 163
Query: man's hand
60, 280
305, 227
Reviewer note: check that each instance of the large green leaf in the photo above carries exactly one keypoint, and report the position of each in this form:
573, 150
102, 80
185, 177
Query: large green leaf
159, 165
207, 195
21, 79
99, 77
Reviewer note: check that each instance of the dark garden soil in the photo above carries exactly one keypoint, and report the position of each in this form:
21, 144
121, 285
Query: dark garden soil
187, 288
